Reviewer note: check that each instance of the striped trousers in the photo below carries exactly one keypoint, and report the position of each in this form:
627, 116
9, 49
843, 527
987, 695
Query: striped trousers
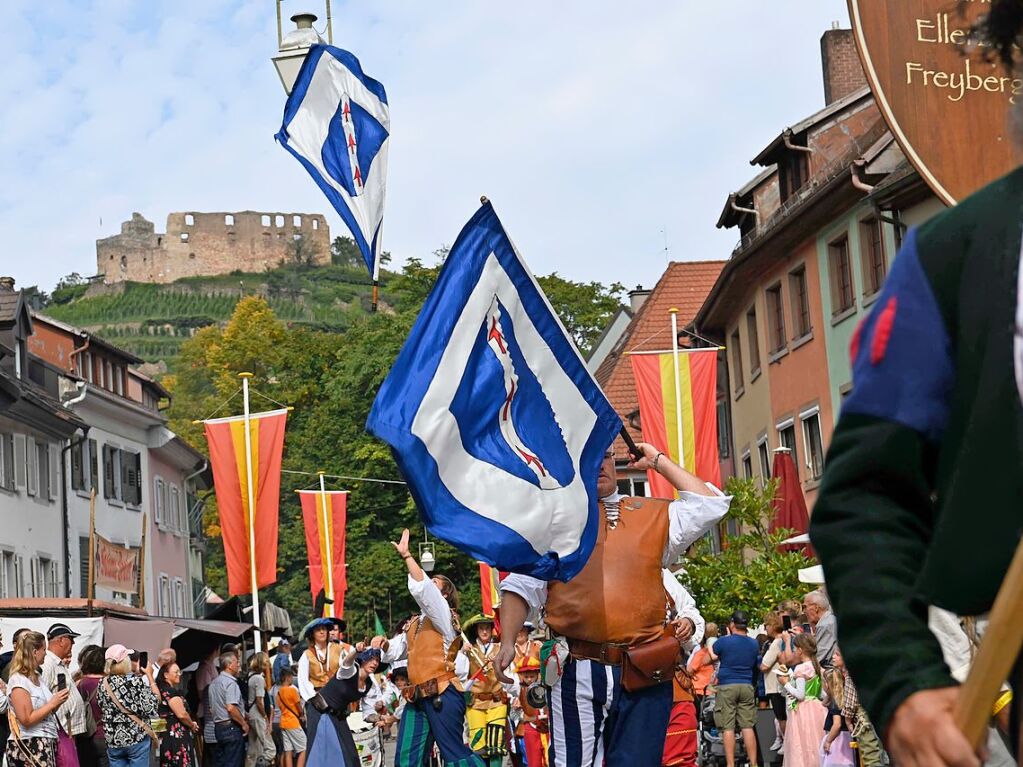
595, 722
423, 723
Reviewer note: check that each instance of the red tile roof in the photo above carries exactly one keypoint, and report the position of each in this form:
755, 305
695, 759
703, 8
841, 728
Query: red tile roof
683, 286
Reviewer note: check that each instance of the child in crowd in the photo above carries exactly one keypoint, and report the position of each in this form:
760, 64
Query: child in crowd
292, 719
701, 665
835, 748
807, 714
531, 732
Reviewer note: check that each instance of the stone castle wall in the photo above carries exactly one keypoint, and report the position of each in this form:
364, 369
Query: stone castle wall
205, 244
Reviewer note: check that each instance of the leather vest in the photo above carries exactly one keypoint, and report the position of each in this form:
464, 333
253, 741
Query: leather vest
619, 595
319, 672
487, 684
531, 713
426, 657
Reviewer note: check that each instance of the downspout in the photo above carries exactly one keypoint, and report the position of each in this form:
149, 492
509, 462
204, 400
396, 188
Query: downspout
188, 516
65, 516
787, 139
857, 181
740, 209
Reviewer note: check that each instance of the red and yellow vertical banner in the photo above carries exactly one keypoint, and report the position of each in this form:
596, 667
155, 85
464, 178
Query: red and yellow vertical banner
490, 589
226, 438
324, 514
655, 385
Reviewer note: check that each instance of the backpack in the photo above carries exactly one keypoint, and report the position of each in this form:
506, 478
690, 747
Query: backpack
90, 717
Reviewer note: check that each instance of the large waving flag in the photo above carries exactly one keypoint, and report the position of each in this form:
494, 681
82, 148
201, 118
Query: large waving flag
336, 123
324, 516
655, 385
495, 422
226, 438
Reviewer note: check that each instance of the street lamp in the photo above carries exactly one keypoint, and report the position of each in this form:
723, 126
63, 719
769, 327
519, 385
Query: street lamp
293, 47
427, 560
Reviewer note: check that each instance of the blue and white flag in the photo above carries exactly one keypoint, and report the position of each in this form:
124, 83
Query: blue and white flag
495, 422
336, 123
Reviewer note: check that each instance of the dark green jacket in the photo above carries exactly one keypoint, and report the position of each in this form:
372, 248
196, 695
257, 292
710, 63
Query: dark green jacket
922, 498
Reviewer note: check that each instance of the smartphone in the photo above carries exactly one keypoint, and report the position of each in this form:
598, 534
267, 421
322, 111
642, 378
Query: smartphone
61, 682
786, 622
144, 659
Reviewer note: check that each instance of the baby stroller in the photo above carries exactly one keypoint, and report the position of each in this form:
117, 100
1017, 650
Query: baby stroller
710, 746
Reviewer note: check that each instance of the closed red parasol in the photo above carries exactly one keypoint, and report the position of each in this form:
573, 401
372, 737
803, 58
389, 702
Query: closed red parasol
789, 505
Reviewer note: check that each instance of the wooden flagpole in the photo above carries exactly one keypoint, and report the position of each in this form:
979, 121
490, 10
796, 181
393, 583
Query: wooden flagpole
257, 636
91, 585
999, 649
328, 565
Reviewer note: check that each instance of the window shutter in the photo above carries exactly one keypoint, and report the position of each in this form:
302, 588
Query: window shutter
174, 504
77, 465
32, 466
158, 501
83, 565
93, 466
109, 491
19, 576
55, 484
9, 482
137, 462
20, 473
125, 461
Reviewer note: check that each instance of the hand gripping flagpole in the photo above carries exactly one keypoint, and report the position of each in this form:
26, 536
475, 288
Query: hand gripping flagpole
678, 386
252, 510
326, 532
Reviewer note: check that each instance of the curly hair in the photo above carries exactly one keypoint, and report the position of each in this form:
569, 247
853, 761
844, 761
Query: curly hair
1000, 30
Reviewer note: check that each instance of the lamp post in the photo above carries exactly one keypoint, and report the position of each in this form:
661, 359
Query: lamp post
427, 560
293, 47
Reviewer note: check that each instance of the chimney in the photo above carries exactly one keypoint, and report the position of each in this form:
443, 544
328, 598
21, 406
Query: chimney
638, 297
6, 284
843, 72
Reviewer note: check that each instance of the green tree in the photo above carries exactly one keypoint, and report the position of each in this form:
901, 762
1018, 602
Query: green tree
751, 573
584, 307
345, 252
303, 252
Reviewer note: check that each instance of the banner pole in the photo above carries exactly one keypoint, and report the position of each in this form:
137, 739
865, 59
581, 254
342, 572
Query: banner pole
258, 639
328, 566
376, 269
678, 386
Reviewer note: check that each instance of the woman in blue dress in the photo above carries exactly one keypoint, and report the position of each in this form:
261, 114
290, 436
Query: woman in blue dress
330, 740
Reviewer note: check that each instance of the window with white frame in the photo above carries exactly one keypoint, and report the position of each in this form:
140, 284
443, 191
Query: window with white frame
764, 454
44, 577
747, 465
122, 474
179, 598
787, 438
164, 602
813, 442
9, 586
632, 485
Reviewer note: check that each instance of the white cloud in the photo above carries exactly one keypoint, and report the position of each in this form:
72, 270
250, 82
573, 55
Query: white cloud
593, 126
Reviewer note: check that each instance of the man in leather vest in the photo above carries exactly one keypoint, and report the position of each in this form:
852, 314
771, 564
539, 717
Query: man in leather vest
612, 610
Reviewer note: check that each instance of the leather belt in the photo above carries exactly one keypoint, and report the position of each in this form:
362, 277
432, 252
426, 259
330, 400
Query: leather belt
488, 696
607, 653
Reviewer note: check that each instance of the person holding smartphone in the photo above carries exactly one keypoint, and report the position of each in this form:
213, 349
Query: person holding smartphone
60, 641
33, 739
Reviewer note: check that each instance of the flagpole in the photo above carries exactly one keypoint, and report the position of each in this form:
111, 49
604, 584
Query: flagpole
376, 268
678, 386
327, 535
252, 511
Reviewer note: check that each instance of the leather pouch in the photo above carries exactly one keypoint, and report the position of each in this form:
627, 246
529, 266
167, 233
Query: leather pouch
319, 703
649, 664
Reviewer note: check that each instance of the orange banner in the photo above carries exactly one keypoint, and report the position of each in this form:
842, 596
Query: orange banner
226, 438
324, 517
655, 385
116, 567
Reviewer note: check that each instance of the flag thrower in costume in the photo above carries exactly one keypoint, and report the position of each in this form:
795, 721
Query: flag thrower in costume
496, 424
245, 455
337, 123
679, 412
323, 513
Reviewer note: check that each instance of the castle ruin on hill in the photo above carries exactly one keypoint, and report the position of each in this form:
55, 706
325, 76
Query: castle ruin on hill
205, 244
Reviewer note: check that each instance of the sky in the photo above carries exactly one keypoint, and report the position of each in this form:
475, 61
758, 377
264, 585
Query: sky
607, 134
